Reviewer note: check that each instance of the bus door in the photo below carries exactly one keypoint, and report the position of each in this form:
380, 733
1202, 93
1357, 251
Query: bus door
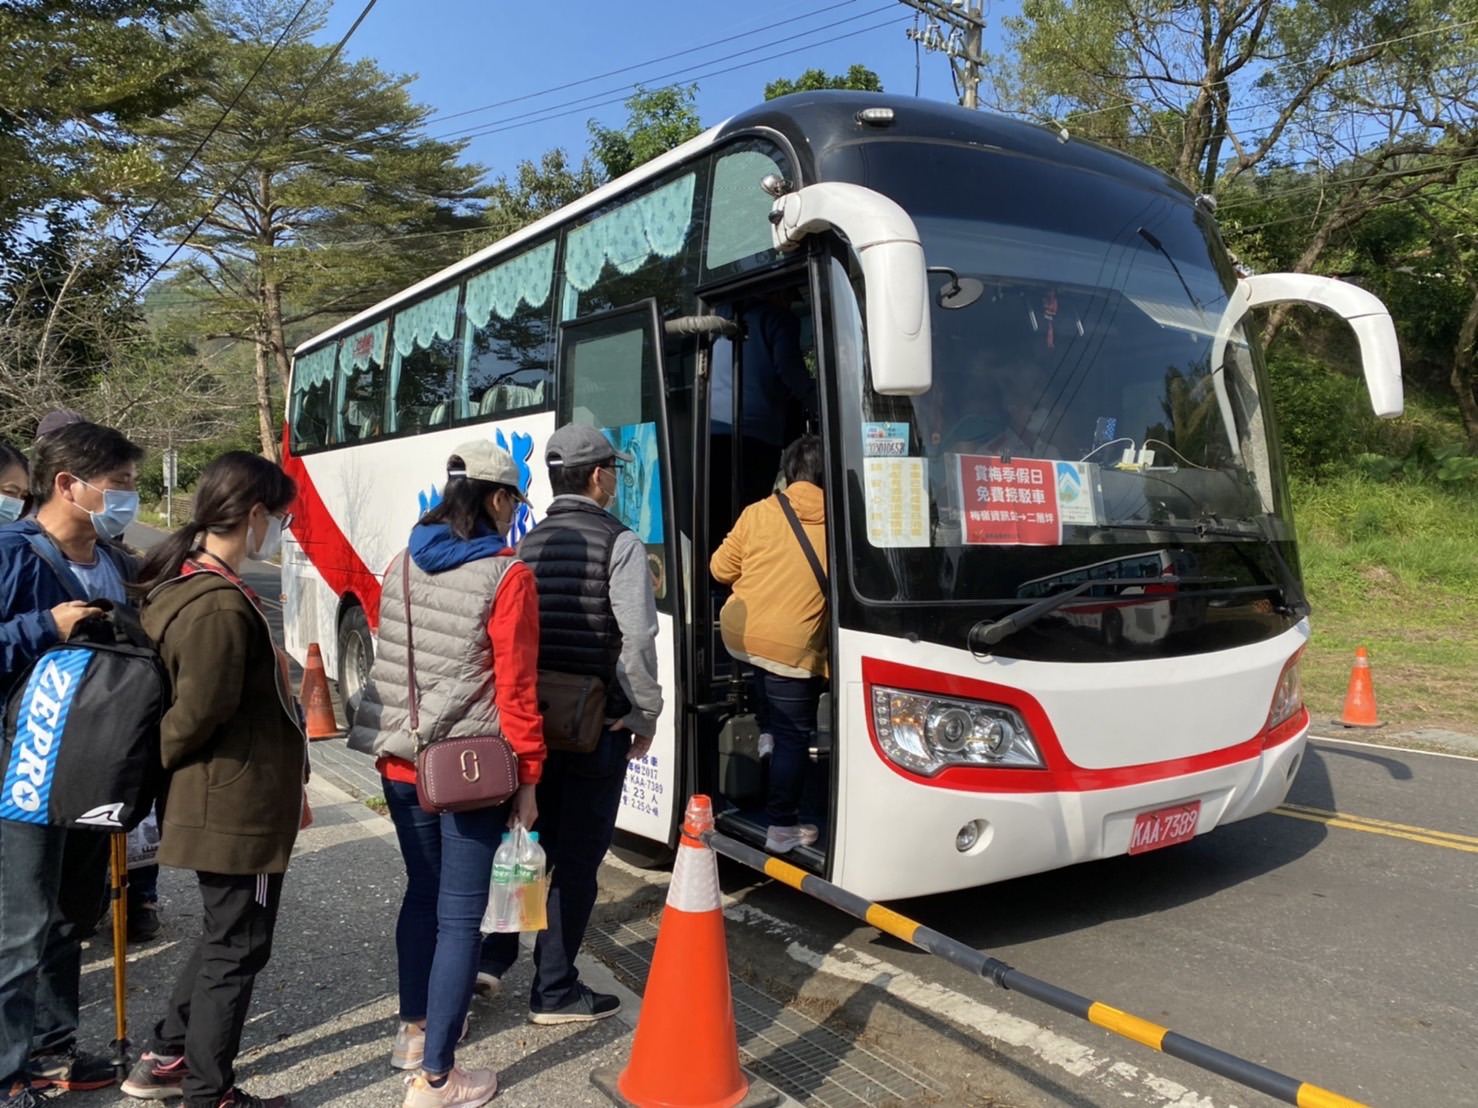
758, 389
611, 376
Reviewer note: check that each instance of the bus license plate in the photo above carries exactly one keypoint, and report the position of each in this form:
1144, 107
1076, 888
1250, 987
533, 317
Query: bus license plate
1164, 827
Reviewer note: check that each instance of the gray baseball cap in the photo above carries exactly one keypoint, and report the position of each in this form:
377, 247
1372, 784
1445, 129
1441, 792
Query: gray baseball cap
576, 444
57, 419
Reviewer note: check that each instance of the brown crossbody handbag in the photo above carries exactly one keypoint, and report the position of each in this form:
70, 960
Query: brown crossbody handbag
454, 775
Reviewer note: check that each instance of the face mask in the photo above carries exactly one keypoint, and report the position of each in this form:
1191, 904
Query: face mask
118, 511
606, 495
10, 508
271, 541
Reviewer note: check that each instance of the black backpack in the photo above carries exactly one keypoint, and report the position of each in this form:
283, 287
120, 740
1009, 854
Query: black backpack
81, 723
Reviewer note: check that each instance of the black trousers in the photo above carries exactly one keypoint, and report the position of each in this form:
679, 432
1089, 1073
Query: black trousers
211, 997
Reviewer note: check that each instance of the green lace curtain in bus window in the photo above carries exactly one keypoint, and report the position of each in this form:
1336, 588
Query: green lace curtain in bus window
419, 325
365, 347
527, 278
739, 219
657, 223
317, 368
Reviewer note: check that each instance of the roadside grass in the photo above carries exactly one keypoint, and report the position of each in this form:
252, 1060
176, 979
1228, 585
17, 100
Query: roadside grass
1392, 567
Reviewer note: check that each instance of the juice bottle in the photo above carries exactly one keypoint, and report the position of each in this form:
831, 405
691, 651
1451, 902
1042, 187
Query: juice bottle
528, 878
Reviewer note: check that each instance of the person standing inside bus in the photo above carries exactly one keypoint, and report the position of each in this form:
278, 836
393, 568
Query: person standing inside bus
776, 620
475, 633
53, 879
597, 617
236, 761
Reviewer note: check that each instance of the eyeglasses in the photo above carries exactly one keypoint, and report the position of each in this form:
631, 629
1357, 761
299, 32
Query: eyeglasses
287, 520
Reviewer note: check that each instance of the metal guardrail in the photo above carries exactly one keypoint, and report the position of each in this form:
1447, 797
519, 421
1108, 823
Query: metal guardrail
1281, 1087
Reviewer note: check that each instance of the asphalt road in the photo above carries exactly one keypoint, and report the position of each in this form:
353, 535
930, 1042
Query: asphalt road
1333, 940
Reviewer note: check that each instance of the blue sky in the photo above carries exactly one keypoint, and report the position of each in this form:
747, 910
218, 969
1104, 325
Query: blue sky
500, 61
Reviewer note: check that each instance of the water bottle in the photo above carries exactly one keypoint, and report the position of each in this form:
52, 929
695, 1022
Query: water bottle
528, 878
503, 903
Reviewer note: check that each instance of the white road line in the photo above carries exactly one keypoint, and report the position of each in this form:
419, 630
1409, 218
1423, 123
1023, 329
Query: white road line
1127, 1081
1393, 749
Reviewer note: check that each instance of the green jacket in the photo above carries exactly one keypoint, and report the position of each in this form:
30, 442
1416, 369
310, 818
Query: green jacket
234, 756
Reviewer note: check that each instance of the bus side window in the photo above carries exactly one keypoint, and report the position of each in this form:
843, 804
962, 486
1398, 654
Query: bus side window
507, 349
423, 362
312, 398
361, 385
738, 237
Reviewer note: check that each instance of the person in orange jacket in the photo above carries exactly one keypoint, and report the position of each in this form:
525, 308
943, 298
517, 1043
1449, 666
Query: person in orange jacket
776, 619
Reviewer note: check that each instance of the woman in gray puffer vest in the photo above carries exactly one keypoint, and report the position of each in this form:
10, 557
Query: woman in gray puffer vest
476, 624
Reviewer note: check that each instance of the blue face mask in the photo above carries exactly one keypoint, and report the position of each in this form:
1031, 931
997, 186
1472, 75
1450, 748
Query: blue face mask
120, 507
10, 508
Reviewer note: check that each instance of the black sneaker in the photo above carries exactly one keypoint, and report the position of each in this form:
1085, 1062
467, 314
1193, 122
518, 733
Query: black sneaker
143, 921
70, 1070
588, 1007
153, 1078
240, 1098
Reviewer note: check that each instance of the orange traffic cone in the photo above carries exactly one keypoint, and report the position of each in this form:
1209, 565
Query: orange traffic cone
686, 1053
317, 705
1360, 699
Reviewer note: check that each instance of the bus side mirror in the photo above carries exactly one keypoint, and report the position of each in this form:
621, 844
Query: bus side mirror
886, 244
1364, 312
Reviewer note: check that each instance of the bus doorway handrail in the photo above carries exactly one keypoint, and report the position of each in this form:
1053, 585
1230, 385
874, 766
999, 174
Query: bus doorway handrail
1281, 1087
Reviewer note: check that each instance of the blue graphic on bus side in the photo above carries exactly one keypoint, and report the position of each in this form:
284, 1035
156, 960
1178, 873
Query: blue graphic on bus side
40, 722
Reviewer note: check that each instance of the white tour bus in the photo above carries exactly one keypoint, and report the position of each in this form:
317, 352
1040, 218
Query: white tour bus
1030, 356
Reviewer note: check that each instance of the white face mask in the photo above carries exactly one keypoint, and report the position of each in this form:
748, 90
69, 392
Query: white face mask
271, 541
10, 508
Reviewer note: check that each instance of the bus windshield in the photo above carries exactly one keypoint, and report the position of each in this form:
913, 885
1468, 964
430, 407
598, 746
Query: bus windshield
1073, 403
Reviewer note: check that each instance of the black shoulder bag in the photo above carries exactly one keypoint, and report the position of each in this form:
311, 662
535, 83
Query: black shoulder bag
800, 535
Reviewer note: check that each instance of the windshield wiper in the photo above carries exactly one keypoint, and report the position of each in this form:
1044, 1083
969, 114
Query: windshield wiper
1295, 602
988, 634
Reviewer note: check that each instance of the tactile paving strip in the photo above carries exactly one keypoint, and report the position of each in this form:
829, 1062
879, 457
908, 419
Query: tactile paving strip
799, 1056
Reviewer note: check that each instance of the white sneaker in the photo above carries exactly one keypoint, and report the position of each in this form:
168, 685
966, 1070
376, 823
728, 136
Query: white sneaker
488, 985
766, 744
409, 1050
782, 840
462, 1090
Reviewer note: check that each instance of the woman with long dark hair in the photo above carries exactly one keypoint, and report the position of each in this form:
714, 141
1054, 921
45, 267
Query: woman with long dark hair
236, 763
476, 625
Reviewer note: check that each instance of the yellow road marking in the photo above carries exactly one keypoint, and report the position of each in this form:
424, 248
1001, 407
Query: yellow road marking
1425, 835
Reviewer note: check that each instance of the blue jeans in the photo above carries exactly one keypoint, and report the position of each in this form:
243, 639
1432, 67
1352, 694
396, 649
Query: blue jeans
52, 884
578, 798
790, 704
449, 870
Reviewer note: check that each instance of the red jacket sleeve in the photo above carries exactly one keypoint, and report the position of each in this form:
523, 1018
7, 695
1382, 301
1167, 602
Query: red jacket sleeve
513, 628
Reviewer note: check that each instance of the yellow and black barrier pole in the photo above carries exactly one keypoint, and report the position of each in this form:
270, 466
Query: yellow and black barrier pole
1279, 1086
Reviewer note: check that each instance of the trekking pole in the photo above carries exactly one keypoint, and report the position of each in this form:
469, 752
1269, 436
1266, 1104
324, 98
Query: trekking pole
118, 889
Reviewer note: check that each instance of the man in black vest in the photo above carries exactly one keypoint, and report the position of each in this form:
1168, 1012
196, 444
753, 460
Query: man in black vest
597, 617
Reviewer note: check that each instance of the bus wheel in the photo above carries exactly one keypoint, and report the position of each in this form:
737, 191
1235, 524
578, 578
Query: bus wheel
639, 852
356, 654
1113, 628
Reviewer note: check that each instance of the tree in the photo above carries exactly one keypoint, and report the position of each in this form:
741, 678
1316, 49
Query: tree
317, 195
73, 77
858, 78
658, 121
536, 190
66, 312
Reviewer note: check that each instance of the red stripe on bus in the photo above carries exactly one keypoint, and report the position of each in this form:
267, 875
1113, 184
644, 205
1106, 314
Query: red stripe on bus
1060, 774
326, 546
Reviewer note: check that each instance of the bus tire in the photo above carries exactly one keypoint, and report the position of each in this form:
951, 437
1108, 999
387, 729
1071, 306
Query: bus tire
1113, 628
640, 852
356, 653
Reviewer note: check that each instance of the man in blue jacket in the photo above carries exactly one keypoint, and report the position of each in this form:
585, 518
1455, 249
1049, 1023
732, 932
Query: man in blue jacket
83, 479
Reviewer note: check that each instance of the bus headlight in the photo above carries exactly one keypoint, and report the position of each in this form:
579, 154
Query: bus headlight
927, 733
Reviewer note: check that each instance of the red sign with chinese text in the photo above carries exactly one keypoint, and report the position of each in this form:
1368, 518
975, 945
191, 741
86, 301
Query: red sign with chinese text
1011, 502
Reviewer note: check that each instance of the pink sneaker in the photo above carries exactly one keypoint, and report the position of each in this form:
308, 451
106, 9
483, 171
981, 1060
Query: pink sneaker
461, 1090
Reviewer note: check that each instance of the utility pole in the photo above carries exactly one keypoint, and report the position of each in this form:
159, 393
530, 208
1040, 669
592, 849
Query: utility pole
961, 43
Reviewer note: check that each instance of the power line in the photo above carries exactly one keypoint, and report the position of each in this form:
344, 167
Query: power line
685, 73
307, 88
513, 123
725, 41
214, 127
